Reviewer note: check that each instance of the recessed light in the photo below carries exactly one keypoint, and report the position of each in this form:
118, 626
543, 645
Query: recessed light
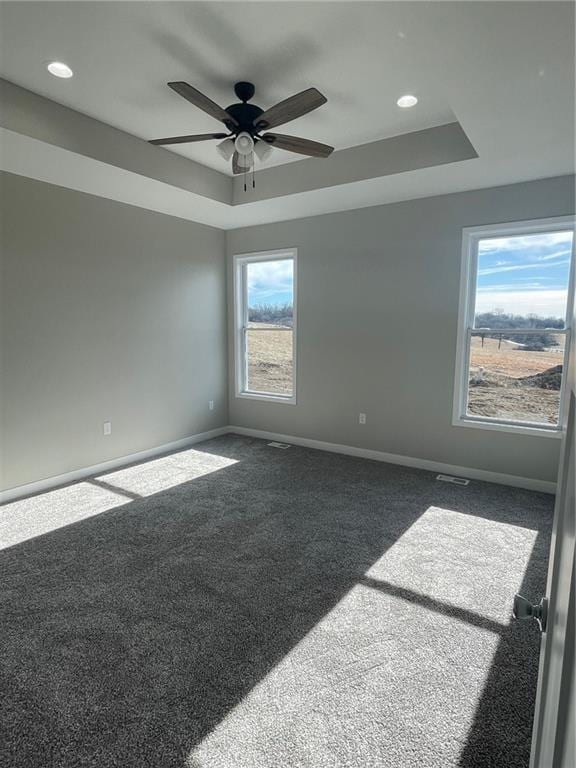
59, 69
407, 101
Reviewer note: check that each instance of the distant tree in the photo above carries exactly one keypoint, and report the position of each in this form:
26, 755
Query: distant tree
277, 314
497, 319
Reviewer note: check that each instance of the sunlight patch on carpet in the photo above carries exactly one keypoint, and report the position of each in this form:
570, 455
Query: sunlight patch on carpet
397, 667
376, 675
160, 474
28, 518
466, 561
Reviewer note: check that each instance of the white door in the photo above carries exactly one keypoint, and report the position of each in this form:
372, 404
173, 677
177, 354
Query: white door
553, 735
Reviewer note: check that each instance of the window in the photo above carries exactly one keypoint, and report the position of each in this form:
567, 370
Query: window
265, 325
517, 293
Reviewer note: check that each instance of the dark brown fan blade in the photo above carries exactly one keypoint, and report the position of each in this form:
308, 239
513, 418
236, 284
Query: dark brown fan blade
235, 167
194, 96
290, 109
296, 144
187, 139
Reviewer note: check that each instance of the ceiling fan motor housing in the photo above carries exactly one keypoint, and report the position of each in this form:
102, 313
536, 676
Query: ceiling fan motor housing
245, 115
245, 91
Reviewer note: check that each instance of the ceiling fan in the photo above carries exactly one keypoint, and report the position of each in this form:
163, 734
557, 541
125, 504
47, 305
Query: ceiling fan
246, 123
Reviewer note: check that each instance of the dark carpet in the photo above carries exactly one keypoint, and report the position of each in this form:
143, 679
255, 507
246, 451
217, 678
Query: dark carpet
240, 606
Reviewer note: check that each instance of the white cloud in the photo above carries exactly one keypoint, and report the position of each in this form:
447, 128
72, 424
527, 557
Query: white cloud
524, 285
545, 303
515, 267
516, 243
267, 278
556, 254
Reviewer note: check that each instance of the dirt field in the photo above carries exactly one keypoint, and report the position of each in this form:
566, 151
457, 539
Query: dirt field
270, 359
496, 386
510, 359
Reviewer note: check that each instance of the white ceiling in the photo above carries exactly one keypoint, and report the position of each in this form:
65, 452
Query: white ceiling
123, 54
503, 70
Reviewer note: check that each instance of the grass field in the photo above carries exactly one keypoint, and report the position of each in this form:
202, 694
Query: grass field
497, 371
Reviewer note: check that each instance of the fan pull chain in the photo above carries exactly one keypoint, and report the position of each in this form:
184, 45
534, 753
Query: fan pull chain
246, 172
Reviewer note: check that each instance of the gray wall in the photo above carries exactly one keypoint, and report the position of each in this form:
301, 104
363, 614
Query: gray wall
377, 321
108, 312
114, 312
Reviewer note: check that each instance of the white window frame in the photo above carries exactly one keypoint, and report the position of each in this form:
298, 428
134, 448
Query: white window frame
468, 275
241, 324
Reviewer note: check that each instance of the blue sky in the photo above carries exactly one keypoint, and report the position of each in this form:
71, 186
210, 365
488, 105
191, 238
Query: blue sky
524, 275
270, 282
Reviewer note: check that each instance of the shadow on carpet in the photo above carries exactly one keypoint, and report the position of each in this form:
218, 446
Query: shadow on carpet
237, 606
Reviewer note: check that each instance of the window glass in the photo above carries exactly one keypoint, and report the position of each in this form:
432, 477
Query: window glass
515, 347
512, 382
523, 280
267, 365
270, 361
270, 289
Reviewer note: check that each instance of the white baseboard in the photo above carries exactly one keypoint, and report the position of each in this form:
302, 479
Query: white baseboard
11, 494
405, 461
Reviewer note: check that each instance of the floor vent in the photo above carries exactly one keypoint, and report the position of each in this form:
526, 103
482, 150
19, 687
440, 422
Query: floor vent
279, 445
452, 479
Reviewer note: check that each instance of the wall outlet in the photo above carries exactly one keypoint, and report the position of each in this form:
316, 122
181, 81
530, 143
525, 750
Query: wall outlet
107, 427
362, 418
211, 405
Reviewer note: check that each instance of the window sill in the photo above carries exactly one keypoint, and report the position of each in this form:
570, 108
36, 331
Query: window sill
515, 429
266, 398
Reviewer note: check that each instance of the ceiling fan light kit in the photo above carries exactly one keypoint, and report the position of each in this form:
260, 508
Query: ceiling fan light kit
244, 143
246, 122
262, 150
226, 149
